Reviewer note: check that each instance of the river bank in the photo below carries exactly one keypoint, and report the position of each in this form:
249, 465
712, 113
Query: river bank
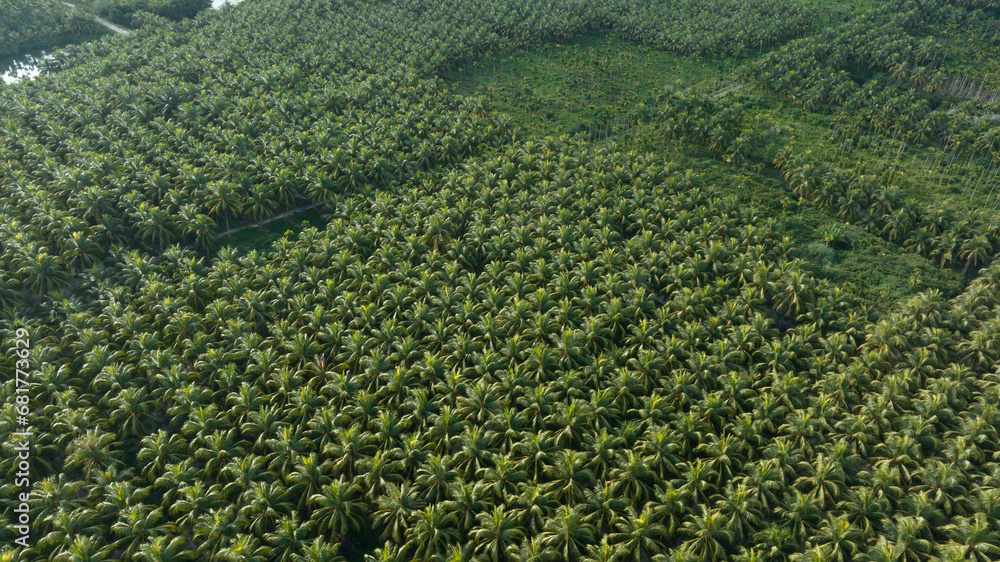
25, 62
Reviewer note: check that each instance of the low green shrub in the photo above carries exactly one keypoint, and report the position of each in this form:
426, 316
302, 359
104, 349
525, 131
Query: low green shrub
818, 253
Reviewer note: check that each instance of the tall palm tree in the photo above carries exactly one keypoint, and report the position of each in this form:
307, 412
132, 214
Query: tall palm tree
837, 539
338, 509
223, 200
497, 533
974, 538
907, 536
567, 534
431, 532
92, 451
639, 534
393, 511
709, 538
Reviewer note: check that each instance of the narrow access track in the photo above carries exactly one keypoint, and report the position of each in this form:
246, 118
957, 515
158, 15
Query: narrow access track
104, 22
258, 224
733, 88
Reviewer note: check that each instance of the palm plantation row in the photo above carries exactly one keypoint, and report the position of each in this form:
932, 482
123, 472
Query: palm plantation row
236, 130
569, 345
500, 348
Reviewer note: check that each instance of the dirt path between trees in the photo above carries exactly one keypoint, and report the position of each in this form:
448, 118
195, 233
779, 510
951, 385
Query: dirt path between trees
104, 22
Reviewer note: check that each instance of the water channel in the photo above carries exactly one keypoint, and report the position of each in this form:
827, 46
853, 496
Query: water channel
26, 65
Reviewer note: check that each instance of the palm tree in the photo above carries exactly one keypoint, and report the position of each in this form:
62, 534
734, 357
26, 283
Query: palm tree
837, 538
394, 509
339, 510
162, 549
245, 548
974, 538
943, 482
44, 274
907, 536
465, 501
496, 534
632, 478
601, 507
639, 534
865, 510
155, 225
431, 533
136, 525
532, 550
776, 542
215, 530
534, 507
568, 478
802, 513
743, 516
83, 549
318, 550
975, 251
709, 537
92, 451
289, 537
603, 552
567, 534
824, 480
265, 503
223, 200
195, 501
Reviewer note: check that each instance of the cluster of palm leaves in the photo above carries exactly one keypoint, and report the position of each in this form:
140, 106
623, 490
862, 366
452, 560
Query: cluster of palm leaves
950, 237
38, 22
965, 128
818, 71
700, 120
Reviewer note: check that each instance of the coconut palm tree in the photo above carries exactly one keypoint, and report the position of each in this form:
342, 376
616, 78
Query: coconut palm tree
567, 534
338, 509
497, 533
431, 533
639, 534
708, 537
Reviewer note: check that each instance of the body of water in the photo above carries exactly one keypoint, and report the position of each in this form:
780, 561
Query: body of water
21, 66
25, 65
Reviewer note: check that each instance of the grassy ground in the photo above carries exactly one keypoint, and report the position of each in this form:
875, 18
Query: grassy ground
881, 273
261, 238
583, 86
602, 86
830, 12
